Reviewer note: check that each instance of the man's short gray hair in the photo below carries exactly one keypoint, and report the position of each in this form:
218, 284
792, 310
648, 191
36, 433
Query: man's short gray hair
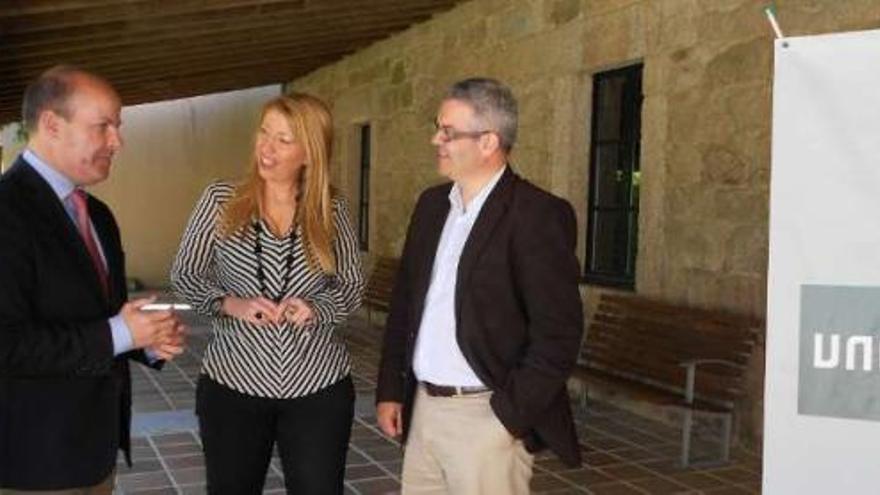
493, 104
52, 91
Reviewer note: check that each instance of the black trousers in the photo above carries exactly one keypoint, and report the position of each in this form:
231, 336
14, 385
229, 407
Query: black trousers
239, 430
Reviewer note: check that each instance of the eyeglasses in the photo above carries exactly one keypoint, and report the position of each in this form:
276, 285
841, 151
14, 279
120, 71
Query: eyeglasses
448, 133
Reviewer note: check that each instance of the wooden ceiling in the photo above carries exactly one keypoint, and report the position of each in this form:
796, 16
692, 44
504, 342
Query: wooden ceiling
154, 50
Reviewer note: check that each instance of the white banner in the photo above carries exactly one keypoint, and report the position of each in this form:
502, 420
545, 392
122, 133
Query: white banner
822, 394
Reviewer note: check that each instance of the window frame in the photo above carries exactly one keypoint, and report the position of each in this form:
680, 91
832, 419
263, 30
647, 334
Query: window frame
629, 150
365, 142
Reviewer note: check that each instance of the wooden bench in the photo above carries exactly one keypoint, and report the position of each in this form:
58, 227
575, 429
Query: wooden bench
377, 294
670, 355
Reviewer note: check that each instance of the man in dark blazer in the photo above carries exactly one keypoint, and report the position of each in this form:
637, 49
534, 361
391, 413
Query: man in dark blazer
486, 317
66, 331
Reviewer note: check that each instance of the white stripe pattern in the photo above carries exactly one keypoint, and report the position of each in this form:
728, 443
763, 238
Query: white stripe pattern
274, 361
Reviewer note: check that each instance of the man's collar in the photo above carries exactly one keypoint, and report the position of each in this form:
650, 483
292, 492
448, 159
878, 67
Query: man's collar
476, 204
56, 180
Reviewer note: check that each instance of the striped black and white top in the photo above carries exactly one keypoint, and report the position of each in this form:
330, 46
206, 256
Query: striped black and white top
275, 361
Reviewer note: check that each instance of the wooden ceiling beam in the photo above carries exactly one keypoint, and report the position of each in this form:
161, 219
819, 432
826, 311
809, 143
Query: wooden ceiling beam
19, 31
277, 75
328, 50
270, 63
164, 49
122, 64
265, 62
10, 108
30, 7
138, 10
162, 41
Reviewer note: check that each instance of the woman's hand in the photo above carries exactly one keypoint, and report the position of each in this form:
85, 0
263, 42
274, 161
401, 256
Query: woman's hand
297, 311
256, 310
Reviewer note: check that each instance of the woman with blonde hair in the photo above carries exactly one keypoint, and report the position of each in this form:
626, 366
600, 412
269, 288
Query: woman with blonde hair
274, 261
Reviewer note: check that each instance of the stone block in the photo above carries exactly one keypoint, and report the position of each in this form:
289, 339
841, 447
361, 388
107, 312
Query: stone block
747, 250
741, 62
557, 12
724, 166
517, 22
675, 25
745, 21
600, 7
615, 38
398, 72
683, 162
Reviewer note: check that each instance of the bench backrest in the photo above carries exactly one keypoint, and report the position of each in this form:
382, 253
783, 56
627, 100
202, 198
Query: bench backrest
377, 293
646, 340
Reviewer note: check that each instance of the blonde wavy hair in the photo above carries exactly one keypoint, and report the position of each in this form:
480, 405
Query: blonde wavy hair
312, 127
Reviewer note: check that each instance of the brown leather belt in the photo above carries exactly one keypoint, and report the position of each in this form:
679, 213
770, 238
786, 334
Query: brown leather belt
451, 391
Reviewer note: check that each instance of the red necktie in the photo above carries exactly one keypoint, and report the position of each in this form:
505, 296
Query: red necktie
84, 225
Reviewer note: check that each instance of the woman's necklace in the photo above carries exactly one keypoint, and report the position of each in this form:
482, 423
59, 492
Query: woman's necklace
288, 263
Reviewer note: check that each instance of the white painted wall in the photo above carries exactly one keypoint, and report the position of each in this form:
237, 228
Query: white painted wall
172, 150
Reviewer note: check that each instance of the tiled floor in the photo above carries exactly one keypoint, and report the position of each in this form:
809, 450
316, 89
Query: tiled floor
624, 453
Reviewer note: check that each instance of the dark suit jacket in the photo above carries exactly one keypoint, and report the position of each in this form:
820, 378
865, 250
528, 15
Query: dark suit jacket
65, 401
518, 311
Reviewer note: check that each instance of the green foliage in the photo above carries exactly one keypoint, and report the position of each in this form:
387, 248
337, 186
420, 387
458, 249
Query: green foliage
21, 134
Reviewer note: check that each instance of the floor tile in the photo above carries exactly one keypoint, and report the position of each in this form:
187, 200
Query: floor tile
623, 453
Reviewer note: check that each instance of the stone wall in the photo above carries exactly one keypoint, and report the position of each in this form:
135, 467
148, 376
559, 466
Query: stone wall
705, 124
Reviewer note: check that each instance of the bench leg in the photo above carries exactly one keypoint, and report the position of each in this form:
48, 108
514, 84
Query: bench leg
369, 317
686, 427
725, 441
726, 430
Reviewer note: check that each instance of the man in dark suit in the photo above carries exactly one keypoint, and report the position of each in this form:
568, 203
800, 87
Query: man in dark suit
485, 318
66, 331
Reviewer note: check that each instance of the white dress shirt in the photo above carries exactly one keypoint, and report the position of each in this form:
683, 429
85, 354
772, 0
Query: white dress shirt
438, 359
